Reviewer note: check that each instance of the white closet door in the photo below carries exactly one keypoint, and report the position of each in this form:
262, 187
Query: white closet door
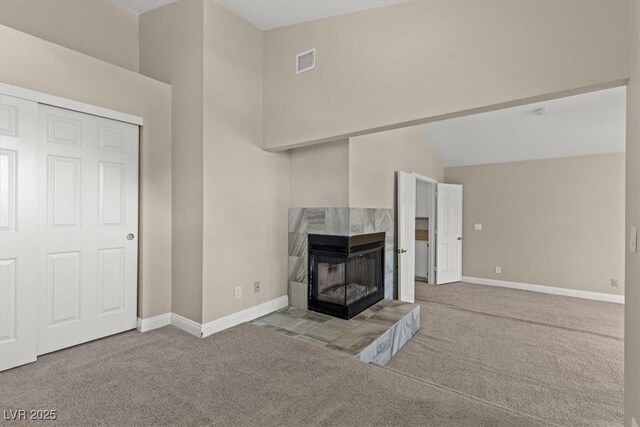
449, 236
18, 277
406, 194
87, 227
422, 259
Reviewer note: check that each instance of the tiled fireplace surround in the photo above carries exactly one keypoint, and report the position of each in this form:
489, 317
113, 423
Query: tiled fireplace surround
338, 222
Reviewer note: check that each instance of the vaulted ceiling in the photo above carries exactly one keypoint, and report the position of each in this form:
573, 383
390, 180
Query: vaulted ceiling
590, 123
269, 14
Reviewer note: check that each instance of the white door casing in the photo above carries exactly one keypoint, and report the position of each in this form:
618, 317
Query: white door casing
449, 234
88, 205
406, 236
18, 276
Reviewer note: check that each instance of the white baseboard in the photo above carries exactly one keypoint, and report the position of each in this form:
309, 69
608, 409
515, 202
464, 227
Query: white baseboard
154, 322
598, 296
187, 325
199, 330
244, 315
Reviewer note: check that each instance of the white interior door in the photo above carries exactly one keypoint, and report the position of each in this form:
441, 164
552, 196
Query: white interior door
406, 236
449, 234
87, 227
18, 277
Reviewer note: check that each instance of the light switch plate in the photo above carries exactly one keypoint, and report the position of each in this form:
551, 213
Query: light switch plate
477, 226
633, 240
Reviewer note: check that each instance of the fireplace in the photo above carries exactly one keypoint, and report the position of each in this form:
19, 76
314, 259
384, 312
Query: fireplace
346, 273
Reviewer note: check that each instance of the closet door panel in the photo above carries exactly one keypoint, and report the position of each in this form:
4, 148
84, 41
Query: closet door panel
89, 180
18, 277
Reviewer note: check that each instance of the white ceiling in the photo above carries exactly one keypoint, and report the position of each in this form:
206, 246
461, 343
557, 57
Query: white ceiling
590, 123
269, 14
142, 6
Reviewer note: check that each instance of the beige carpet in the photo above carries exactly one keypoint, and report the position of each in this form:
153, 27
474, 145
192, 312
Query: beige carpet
484, 357
245, 376
556, 358
571, 313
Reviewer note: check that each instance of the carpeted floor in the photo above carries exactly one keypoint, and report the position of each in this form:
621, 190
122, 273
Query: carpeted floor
473, 363
556, 358
245, 376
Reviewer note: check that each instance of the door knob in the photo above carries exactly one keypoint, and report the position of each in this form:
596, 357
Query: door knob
130, 236
401, 251
459, 238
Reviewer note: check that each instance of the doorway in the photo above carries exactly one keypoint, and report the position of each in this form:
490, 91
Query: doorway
429, 233
425, 229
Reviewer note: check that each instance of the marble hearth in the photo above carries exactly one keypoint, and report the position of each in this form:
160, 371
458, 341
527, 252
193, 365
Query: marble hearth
373, 336
338, 222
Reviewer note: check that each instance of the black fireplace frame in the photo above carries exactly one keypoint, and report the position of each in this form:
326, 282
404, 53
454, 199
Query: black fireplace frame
344, 247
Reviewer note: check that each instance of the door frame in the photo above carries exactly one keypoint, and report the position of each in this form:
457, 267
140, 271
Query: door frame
403, 290
432, 227
68, 104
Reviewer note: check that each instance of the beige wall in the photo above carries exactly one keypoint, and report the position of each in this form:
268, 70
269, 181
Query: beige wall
632, 310
246, 190
319, 176
99, 28
554, 222
359, 172
36, 64
374, 160
171, 50
230, 197
425, 59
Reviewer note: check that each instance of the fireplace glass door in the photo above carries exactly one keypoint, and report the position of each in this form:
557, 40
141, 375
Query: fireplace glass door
347, 281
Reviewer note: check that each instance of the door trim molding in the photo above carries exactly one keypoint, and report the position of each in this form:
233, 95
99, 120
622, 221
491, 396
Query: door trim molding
68, 104
425, 178
576, 293
204, 330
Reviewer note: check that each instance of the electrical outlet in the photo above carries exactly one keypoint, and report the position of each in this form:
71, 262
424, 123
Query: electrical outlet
614, 283
477, 227
256, 287
498, 269
238, 292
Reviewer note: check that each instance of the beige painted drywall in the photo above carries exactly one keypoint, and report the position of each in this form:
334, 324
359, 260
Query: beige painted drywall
246, 190
230, 197
632, 298
374, 160
319, 176
555, 222
99, 28
359, 172
39, 65
426, 59
171, 50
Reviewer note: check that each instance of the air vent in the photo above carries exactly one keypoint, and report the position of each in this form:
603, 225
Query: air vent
306, 61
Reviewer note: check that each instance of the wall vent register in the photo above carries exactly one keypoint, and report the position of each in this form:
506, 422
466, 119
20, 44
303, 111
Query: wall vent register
306, 61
